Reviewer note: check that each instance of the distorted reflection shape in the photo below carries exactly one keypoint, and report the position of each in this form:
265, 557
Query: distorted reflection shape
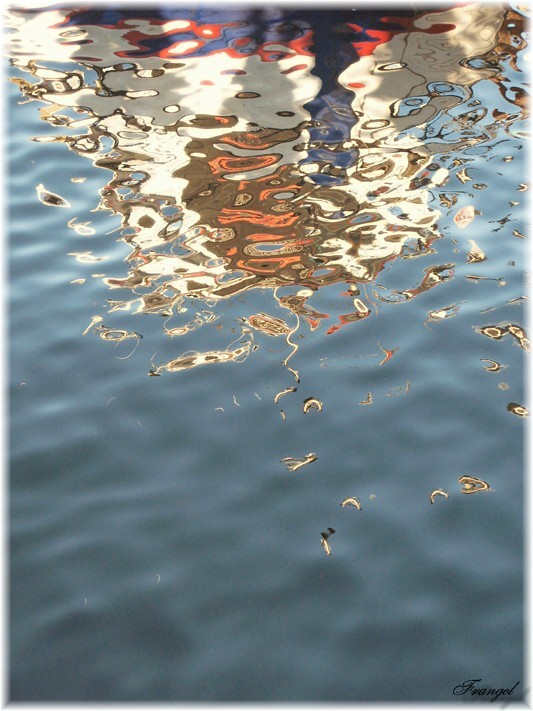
235, 167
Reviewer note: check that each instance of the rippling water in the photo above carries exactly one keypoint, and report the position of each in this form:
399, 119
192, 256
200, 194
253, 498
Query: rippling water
267, 336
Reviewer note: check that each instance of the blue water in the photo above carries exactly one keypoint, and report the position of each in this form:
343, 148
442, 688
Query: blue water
159, 548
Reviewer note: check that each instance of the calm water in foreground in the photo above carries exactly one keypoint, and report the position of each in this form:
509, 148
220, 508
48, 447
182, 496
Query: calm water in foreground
261, 262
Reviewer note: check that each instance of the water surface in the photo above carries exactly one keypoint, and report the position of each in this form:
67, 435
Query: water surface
263, 261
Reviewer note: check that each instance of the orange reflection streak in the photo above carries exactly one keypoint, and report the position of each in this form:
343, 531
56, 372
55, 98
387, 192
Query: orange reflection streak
346, 319
388, 354
229, 217
225, 164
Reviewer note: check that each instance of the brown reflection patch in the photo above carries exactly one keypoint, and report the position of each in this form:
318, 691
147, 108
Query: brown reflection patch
271, 249
494, 332
226, 164
255, 217
209, 121
472, 484
475, 254
242, 199
352, 501
222, 234
296, 303
437, 492
273, 265
270, 325
116, 334
517, 409
293, 463
283, 393
312, 403
497, 332
192, 360
262, 139
324, 540
520, 335
49, 198
493, 366
445, 312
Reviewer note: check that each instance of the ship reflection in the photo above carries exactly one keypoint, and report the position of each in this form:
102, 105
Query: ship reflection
255, 149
